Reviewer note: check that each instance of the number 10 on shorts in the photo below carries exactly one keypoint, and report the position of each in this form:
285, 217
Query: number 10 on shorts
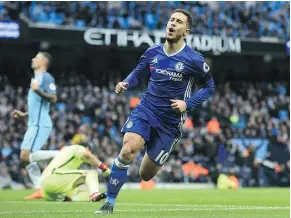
162, 157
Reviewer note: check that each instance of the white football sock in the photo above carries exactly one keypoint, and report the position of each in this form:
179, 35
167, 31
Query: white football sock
92, 181
34, 174
42, 155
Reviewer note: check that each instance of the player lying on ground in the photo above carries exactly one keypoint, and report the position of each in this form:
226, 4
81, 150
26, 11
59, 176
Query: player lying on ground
41, 94
61, 179
172, 68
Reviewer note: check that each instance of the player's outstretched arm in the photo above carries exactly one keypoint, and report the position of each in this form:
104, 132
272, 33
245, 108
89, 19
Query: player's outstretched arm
207, 90
89, 158
16, 114
133, 79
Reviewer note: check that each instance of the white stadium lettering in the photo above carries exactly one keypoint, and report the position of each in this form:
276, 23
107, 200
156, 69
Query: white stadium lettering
97, 36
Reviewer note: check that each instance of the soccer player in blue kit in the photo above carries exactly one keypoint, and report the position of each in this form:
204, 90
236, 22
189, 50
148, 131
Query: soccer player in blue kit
41, 94
172, 68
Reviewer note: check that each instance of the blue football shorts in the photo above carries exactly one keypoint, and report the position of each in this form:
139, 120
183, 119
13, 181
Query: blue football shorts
159, 137
35, 137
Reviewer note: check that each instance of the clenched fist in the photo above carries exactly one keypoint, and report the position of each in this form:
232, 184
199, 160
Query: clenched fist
34, 84
106, 172
16, 114
121, 87
179, 106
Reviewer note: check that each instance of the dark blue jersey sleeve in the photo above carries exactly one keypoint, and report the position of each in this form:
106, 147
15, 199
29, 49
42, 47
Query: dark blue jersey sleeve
141, 71
201, 70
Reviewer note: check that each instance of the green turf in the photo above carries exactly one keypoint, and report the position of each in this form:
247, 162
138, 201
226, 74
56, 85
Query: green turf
264, 203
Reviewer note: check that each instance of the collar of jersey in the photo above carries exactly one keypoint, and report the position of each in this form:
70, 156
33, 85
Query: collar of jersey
169, 55
39, 75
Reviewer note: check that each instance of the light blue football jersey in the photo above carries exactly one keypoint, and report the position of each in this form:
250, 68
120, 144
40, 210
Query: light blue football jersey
38, 107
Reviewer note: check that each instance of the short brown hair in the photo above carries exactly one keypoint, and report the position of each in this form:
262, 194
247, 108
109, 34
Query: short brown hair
187, 14
48, 57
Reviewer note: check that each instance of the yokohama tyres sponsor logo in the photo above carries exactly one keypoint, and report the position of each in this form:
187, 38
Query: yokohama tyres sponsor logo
169, 73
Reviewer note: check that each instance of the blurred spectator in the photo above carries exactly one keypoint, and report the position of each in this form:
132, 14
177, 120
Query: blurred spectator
5, 178
234, 19
213, 126
6, 150
96, 114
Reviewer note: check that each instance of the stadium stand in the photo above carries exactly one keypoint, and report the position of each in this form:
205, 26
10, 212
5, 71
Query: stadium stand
86, 112
243, 19
242, 131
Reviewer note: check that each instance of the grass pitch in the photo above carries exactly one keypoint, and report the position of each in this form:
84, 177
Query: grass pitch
255, 202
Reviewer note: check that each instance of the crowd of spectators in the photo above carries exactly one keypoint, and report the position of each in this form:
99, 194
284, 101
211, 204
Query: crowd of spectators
235, 19
96, 114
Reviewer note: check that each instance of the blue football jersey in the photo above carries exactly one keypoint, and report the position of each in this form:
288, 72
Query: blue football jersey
170, 77
38, 107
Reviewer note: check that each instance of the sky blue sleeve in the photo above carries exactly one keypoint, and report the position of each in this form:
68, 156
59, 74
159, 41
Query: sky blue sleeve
49, 84
140, 72
201, 70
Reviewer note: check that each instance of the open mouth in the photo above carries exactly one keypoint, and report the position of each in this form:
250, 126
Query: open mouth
171, 30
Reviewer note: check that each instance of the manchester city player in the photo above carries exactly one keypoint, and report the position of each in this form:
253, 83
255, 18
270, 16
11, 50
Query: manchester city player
61, 180
172, 68
41, 94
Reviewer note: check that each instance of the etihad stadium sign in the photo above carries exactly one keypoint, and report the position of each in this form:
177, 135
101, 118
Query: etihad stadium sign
140, 40
124, 38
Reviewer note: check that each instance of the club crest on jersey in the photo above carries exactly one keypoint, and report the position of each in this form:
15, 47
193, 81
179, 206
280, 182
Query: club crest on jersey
129, 124
179, 67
